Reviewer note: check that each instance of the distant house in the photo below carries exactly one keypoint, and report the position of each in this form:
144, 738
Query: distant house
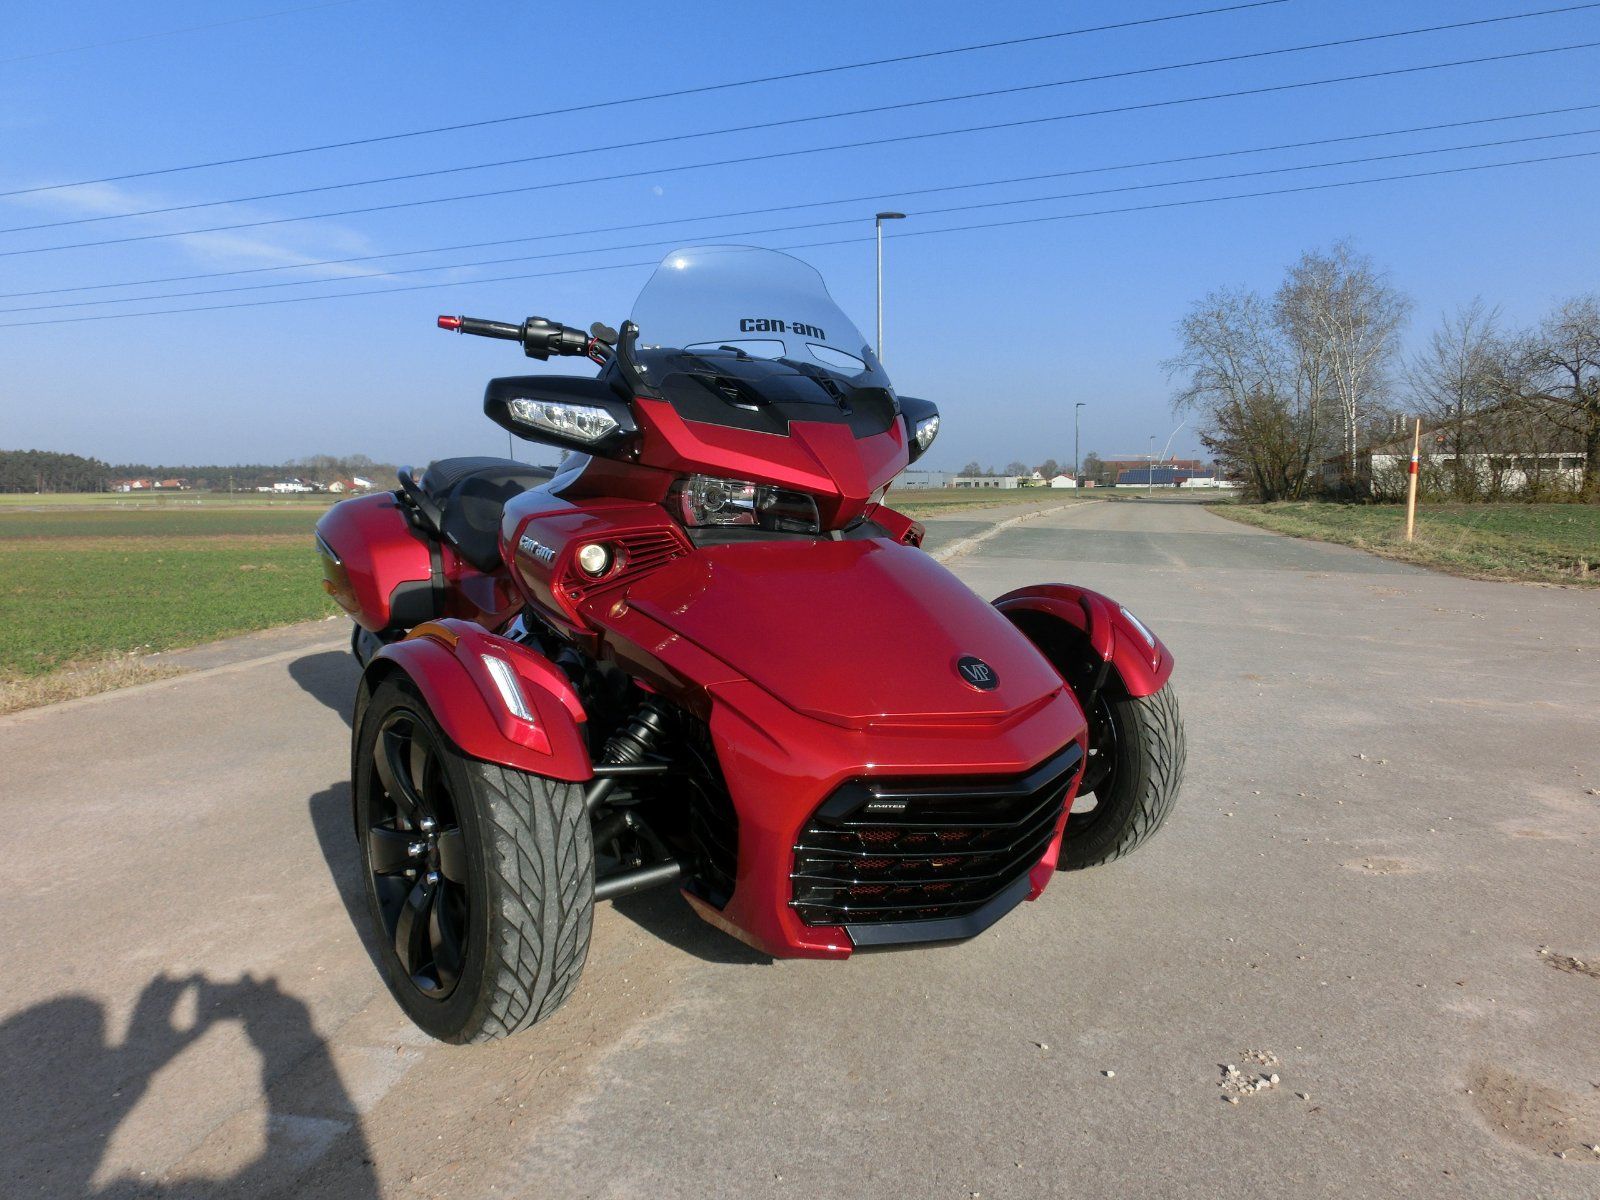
131, 485
1506, 450
1063, 481
173, 485
292, 485
341, 486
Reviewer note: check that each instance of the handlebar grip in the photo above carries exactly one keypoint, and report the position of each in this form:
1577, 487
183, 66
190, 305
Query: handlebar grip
482, 328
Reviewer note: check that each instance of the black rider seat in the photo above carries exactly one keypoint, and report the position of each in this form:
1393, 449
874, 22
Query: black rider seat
469, 496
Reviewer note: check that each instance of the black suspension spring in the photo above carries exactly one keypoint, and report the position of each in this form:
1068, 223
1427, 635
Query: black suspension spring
626, 748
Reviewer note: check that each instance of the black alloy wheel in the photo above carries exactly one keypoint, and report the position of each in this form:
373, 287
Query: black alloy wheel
479, 877
417, 855
1100, 771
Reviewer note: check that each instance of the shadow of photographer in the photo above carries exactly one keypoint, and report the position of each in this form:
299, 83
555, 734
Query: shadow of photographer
69, 1088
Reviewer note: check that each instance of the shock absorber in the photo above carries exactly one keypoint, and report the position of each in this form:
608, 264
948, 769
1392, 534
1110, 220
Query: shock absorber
625, 751
638, 737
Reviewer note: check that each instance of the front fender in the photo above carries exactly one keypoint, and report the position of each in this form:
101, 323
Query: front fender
1140, 659
445, 660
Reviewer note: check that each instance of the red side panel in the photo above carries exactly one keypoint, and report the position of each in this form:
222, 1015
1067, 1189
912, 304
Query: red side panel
445, 659
372, 557
375, 550
1140, 658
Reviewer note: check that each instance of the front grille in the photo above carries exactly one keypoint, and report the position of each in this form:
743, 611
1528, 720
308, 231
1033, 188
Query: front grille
916, 850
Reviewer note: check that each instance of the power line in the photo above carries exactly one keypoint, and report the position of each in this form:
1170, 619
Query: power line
751, 212
789, 122
1312, 187
778, 154
145, 37
678, 93
1133, 187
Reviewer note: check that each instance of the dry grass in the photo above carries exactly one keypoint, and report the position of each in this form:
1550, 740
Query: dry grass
1538, 543
86, 679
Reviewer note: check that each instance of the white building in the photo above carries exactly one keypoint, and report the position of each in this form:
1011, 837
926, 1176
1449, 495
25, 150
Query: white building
988, 481
912, 477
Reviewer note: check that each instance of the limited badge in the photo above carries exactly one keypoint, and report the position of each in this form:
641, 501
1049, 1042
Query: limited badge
977, 673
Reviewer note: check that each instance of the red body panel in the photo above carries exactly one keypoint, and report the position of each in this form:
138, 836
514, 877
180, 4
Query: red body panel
444, 659
1143, 662
896, 709
780, 766
807, 622
378, 553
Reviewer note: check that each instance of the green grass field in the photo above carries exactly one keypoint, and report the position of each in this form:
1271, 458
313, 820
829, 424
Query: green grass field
79, 583
1544, 543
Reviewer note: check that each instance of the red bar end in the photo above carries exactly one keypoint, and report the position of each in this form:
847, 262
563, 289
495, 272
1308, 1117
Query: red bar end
450, 323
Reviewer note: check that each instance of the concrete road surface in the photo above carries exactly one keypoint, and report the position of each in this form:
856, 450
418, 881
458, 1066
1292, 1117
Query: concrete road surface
1391, 807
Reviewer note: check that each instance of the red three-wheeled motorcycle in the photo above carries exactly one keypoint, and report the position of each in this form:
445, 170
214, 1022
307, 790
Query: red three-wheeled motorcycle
704, 651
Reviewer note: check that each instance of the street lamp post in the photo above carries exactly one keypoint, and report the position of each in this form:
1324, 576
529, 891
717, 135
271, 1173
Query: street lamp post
1077, 411
1150, 472
877, 225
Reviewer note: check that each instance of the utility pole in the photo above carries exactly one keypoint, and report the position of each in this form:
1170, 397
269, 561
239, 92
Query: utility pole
1150, 471
877, 225
1077, 411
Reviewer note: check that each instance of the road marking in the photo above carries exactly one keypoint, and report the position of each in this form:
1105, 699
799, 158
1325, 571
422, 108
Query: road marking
956, 549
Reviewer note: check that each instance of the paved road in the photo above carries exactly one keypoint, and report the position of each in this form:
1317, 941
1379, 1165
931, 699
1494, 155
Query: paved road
1390, 808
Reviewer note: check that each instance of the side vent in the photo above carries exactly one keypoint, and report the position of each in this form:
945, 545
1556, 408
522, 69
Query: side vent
638, 552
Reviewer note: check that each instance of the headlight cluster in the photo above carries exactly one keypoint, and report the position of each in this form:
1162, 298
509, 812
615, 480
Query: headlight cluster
927, 429
581, 422
703, 500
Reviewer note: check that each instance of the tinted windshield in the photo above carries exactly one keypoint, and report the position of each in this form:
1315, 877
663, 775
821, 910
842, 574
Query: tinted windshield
759, 302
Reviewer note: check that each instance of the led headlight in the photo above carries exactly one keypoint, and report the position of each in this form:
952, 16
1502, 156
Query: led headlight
594, 559
580, 422
927, 429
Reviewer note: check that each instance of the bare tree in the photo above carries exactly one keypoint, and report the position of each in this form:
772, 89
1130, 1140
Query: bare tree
1563, 361
1242, 383
1345, 316
1453, 381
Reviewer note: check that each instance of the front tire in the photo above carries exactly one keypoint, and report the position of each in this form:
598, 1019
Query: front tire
1131, 781
479, 878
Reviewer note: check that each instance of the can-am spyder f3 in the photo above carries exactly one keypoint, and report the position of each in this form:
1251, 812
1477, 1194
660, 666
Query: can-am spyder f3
704, 651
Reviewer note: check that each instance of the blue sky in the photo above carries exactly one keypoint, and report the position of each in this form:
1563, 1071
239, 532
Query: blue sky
1005, 328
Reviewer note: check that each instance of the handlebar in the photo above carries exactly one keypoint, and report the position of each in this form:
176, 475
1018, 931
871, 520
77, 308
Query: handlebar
540, 338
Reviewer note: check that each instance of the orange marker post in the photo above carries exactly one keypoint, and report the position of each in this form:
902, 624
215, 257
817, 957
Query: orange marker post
1411, 490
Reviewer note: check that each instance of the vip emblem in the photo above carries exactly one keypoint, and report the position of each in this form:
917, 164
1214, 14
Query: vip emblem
977, 673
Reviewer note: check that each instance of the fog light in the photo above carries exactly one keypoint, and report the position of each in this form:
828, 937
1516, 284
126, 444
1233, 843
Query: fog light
594, 559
